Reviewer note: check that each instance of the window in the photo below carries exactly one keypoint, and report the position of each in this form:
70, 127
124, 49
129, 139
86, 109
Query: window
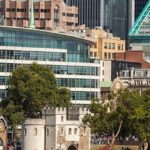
105, 45
119, 47
91, 54
103, 63
103, 72
109, 55
105, 55
47, 131
70, 131
109, 46
95, 54
113, 56
75, 131
62, 118
62, 131
138, 73
35, 131
122, 47
113, 45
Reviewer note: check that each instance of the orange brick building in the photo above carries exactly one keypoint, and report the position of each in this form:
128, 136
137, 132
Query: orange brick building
133, 56
48, 14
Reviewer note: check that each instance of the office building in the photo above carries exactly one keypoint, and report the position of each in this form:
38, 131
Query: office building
90, 11
114, 15
139, 34
66, 54
47, 14
106, 44
139, 5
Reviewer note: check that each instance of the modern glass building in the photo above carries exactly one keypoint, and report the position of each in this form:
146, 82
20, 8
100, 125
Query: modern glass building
116, 17
140, 32
139, 5
111, 14
90, 11
67, 55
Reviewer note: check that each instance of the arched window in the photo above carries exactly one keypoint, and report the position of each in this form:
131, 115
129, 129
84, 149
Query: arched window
70, 131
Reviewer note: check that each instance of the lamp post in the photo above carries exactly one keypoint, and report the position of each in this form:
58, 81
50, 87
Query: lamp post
45, 111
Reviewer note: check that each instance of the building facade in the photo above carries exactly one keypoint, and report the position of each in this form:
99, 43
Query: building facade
133, 79
67, 55
33, 134
114, 15
90, 11
106, 44
139, 34
65, 130
48, 14
60, 129
129, 56
139, 5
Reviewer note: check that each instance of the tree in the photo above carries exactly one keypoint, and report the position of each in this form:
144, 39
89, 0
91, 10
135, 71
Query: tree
31, 87
120, 117
141, 120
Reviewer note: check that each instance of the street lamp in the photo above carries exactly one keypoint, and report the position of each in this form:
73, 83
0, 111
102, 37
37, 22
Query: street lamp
45, 114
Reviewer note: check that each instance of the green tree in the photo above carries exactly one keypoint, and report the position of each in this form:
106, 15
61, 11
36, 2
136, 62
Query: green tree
115, 117
32, 87
141, 120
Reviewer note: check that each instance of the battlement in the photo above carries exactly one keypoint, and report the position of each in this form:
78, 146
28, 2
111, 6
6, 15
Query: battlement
64, 110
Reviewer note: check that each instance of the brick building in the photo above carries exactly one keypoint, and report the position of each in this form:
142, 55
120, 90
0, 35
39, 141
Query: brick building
48, 14
133, 56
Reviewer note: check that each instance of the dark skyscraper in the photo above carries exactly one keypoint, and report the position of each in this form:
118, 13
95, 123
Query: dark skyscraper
139, 5
111, 14
116, 17
90, 11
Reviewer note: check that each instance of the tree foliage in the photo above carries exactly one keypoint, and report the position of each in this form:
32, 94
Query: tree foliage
129, 114
31, 87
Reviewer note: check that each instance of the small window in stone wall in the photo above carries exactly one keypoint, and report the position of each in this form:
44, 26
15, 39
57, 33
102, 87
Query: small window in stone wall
75, 131
35, 131
62, 118
70, 130
47, 131
62, 131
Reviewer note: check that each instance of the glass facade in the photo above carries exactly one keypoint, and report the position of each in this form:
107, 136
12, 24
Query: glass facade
140, 32
116, 17
66, 55
118, 66
109, 14
90, 12
77, 49
139, 5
